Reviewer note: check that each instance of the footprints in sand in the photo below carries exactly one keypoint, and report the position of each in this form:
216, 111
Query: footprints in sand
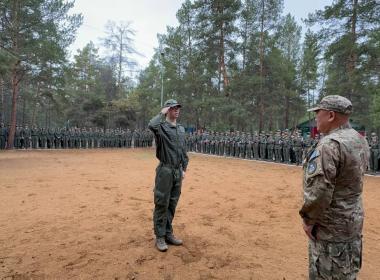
142, 259
117, 216
83, 260
226, 232
219, 261
192, 250
207, 220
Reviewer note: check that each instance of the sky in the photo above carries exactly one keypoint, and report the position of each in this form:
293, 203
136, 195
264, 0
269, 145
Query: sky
150, 17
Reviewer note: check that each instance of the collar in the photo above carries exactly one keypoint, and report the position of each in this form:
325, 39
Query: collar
344, 126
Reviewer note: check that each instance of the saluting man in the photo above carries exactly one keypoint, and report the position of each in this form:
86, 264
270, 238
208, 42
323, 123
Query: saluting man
171, 152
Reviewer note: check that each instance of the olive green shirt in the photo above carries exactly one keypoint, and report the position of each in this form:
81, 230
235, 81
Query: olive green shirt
170, 142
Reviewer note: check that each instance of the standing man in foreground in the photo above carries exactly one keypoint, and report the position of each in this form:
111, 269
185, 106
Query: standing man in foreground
171, 152
332, 212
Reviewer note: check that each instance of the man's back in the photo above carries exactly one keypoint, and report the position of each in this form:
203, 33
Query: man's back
337, 165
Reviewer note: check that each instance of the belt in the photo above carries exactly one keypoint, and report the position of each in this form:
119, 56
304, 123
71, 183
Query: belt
169, 165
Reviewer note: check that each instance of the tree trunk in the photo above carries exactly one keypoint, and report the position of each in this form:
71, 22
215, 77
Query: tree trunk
245, 42
2, 113
287, 109
120, 64
223, 68
261, 46
15, 91
353, 55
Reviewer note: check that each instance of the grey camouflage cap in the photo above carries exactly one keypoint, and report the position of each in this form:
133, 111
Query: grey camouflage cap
334, 103
172, 103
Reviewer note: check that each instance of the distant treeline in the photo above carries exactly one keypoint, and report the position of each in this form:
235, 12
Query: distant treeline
236, 65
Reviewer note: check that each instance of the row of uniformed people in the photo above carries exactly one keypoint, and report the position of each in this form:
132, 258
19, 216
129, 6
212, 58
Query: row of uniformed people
282, 146
56, 138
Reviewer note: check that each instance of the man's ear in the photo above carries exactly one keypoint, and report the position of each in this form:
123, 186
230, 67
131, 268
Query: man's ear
332, 116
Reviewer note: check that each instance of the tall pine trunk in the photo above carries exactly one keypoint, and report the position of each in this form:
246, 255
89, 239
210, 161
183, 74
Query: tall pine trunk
15, 91
15, 79
261, 46
352, 60
2, 113
287, 110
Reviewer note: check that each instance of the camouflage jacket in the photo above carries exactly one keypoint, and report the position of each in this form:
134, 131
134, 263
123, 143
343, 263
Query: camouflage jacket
333, 184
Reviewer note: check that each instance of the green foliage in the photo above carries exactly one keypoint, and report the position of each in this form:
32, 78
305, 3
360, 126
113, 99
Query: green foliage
234, 65
349, 29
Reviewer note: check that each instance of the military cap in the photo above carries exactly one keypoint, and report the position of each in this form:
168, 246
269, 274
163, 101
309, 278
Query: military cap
172, 103
334, 103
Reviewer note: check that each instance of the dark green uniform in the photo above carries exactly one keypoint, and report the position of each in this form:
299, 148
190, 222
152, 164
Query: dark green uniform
3, 136
375, 153
171, 152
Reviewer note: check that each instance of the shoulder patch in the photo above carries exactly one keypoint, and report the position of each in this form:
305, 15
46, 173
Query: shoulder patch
311, 167
314, 154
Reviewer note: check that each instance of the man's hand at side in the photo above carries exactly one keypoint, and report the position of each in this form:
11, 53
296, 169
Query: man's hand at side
308, 229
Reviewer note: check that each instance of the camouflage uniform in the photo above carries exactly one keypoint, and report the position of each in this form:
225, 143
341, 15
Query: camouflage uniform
333, 183
278, 143
297, 148
256, 145
249, 147
3, 136
375, 152
263, 145
27, 137
43, 138
50, 138
287, 143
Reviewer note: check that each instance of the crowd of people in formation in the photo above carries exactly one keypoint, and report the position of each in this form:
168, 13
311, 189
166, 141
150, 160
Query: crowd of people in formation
281, 146
75, 138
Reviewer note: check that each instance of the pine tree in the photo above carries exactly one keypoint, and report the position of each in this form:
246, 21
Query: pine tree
35, 32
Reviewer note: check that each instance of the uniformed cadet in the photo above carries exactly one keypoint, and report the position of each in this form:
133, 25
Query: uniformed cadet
17, 138
375, 152
3, 136
249, 147
58, 138
27, 137
50, 138
65, 138
171, 152
286, 146
256, 145
242, 145
332, 211
270, 146
297, 147
229, 143
263, 146
212, 143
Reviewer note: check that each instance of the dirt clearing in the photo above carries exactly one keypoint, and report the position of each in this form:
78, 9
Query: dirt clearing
88, 215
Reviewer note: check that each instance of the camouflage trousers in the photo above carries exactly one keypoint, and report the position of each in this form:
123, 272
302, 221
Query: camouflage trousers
335, 260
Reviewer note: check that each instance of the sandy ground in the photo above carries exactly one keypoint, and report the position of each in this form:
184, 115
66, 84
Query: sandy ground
87, 215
